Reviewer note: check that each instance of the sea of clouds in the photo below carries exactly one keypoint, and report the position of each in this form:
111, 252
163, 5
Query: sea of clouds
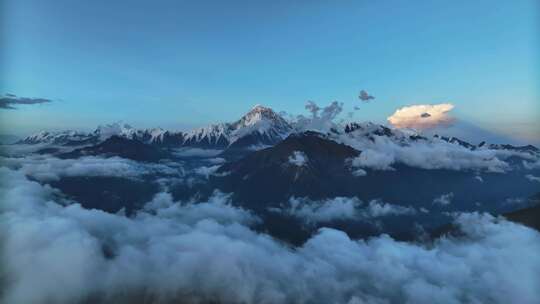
54, 251
49, 168
197, 252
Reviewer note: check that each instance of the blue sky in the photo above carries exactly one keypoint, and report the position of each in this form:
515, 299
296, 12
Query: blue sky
179, 64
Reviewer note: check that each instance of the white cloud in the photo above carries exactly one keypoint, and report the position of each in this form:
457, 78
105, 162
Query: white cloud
515, 201
531, 165
66, 254
206, 171
532, 178
218, 208
359, 172
444, 199
340, 208
298, 158
381, 152
377, 208
216, 160
372, 159
48, 168
422, 116
321, 119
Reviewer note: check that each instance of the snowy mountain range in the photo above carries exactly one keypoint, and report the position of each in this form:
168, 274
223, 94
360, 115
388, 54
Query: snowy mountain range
258, 128
262, 127
266, 162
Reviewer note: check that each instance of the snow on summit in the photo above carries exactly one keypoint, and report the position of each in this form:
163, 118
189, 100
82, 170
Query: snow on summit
262, 120
117, 128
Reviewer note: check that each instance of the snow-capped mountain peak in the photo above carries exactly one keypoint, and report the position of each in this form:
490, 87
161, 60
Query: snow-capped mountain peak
211, 135
39, 136
257, 114
157, 133
261, 126
55, 137
262, 120
117, 128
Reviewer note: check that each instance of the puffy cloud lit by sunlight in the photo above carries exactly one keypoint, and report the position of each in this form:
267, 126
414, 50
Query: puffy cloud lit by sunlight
422, 116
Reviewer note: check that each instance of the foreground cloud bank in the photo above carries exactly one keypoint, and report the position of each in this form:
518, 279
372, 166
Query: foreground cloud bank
422, 116
182, 252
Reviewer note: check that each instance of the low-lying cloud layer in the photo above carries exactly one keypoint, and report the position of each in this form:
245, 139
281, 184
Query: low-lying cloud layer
48, 168
9, 101
218, 208
298, 158
340, 209
380, 153
422, 116
191, 254
532, 178
444, 199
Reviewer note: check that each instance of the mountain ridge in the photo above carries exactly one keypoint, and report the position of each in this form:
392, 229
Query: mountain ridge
259, 128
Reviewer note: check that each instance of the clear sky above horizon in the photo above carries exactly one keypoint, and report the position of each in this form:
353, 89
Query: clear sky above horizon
180, 64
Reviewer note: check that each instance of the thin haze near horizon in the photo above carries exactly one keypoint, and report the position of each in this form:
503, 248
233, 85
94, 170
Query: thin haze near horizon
181, 64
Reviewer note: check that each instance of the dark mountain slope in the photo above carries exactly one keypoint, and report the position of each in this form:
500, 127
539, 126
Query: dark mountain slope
122, 147
270, 174
267, 178
110, 194
528, 216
